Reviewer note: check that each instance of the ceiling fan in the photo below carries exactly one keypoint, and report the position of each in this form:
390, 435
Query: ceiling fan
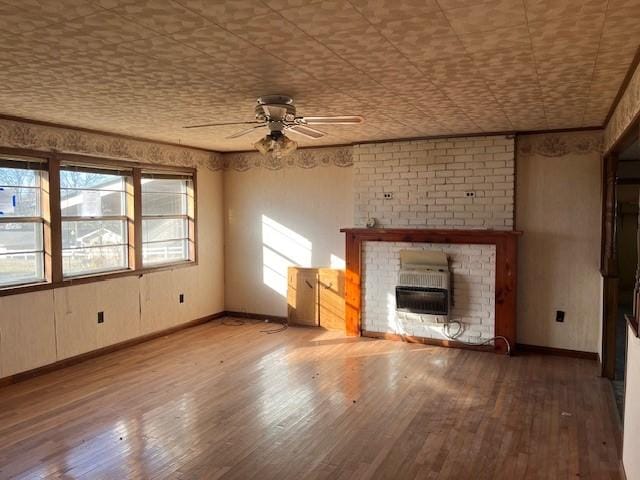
278, 114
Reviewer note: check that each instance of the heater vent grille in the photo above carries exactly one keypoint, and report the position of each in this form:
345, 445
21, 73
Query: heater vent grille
432, 301
425, 278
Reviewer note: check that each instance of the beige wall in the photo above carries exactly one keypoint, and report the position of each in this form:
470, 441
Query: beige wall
558, 209
43, 327
630, 457
276, 218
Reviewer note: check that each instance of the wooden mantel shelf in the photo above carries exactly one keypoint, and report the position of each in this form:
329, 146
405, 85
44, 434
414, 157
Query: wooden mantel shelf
506, 242
438, 236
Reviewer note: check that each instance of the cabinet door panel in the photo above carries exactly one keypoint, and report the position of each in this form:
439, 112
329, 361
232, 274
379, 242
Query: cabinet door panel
331, 286
302, 296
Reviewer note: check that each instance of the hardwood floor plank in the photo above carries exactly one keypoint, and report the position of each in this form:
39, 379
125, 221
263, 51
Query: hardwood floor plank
230, 402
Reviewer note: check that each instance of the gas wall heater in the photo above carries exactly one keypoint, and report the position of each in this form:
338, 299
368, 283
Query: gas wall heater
423, 283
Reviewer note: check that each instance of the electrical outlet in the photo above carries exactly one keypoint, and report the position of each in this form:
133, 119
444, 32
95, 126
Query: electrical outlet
181, 298
559, 316
470, 194
100, 317
388, 195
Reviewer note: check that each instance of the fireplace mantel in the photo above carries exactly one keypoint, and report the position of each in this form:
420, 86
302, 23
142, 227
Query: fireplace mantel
506, 243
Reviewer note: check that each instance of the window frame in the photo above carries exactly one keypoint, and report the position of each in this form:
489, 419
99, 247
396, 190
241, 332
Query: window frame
189, 216
41, 220
126, 216
52, 215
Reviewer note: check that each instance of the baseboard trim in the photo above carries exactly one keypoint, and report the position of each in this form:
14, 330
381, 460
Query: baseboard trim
426, 341
562, 352
67, 362
256, 316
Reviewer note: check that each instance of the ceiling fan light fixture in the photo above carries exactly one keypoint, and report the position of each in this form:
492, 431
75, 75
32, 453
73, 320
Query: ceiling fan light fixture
264, 145
276, 144
286, 146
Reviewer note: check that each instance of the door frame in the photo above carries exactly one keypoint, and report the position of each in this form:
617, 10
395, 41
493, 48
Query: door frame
608, 250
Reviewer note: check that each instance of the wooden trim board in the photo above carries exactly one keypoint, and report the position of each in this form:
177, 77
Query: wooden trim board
67, 362
633, 323
562, 352
256, 316
623, 86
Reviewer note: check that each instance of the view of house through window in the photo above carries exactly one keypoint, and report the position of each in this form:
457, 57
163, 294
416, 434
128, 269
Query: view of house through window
21, 223
94, 220
94, 225
166, 212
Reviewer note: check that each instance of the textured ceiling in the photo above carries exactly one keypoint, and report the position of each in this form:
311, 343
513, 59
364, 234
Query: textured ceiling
410, 67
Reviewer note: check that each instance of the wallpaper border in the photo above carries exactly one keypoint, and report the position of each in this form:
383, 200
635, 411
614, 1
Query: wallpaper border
305, 158
560, 144
66, 140
46, 138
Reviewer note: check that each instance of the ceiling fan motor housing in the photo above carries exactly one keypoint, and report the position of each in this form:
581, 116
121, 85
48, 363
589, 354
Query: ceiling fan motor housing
275, 108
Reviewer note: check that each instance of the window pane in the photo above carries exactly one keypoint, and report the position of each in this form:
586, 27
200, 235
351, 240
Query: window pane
20, 268
19, 177
165, 252
164, 185
20, 237
19, 202
21, 244
91, 233
164, 204
91, 203
157, 229
85, 261
94, 181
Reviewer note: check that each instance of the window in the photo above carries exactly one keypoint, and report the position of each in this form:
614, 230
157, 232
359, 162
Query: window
69, 218
93, 205
167, 218
21, 222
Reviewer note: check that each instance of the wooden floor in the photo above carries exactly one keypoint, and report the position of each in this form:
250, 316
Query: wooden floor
218, 401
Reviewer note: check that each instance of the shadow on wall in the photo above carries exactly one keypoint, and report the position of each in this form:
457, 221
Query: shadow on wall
282, 248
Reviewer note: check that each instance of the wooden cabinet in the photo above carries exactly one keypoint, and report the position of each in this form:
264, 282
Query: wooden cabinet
316, 297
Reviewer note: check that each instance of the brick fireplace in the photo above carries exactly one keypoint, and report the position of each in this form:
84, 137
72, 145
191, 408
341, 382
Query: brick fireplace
454, 195
365, 308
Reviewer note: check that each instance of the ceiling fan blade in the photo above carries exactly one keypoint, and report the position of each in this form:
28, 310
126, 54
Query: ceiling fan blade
306, 131
221, 124
244, 132
333, 120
